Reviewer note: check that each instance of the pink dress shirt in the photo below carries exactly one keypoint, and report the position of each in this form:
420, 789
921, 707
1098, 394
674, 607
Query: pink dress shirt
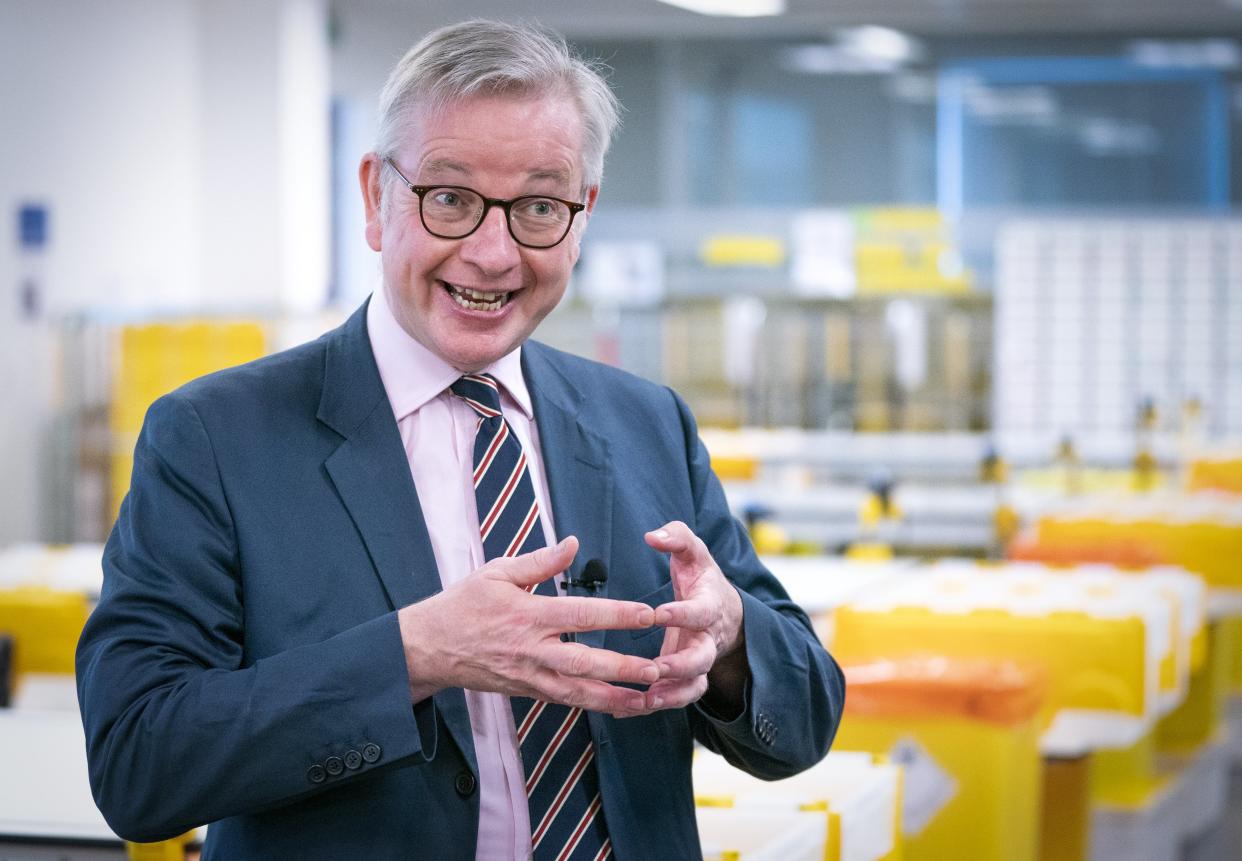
437, 430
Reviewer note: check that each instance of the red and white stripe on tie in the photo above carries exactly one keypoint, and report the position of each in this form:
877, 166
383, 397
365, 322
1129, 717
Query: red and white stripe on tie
558, 754
558, 738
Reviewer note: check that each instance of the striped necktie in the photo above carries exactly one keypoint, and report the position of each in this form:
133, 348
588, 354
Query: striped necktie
558, 756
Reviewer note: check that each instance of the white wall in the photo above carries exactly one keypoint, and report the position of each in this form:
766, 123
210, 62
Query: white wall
104, 132
265, 159
181, 147
367, 46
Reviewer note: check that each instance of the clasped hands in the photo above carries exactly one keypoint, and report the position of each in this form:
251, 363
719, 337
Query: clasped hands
487, 632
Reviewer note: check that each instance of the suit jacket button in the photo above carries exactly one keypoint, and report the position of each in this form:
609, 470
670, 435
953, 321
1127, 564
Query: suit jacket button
333, 765
464, 783
371, 752
353, 759
316, 774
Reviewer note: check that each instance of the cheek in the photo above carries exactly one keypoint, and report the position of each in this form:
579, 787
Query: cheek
412, 260
552, 273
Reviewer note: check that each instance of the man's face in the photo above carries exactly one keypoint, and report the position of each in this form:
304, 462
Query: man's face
502, 147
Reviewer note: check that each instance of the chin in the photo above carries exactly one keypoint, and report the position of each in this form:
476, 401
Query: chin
471, 361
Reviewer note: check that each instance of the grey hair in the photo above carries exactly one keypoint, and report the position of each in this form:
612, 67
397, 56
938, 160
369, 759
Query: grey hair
481, 57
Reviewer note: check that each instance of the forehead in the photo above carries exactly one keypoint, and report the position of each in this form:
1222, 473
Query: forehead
497, 138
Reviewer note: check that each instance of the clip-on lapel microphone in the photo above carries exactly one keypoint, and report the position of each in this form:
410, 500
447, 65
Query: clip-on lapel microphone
594, 577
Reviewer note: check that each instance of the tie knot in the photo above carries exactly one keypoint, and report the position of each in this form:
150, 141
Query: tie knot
481, 391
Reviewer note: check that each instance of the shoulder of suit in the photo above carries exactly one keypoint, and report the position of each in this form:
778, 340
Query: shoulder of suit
294, 372
588, 373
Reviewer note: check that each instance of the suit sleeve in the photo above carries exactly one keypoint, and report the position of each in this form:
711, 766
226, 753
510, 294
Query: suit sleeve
179, 732
796, 691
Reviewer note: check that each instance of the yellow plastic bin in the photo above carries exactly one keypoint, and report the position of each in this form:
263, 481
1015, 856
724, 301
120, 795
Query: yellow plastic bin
1202, 532
45, 625
859, 797
155, 358
1203, 713
175, 849
62, 567
967, 734
1126, 777
760, 835
1220, 470
1102, 644
1231, 635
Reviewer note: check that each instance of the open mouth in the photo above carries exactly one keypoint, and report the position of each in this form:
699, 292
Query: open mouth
475, 300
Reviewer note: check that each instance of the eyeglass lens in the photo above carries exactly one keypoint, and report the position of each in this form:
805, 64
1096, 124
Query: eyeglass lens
454, 212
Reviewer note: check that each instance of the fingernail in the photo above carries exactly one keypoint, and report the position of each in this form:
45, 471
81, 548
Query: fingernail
656, 702
661, 534
646, 618
650, 674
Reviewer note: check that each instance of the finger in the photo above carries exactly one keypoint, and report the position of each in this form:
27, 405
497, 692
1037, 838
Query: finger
695, 657
530, 569
675, 693
630, 713
584, 662
588, 695
676, 538
698, 615
593, 614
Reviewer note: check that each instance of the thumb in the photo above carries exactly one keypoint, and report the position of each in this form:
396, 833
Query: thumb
676, 539
531, 569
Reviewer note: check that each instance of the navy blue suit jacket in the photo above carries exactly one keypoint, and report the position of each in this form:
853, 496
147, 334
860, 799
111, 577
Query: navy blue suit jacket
244, 666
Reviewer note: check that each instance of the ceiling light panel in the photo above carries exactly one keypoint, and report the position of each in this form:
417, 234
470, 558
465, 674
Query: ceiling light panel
731, 8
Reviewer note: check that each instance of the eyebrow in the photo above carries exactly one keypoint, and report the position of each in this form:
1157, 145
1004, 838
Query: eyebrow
444, 165
440, 166
555, 174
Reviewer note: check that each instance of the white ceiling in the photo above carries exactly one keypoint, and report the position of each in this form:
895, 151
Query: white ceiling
650, 18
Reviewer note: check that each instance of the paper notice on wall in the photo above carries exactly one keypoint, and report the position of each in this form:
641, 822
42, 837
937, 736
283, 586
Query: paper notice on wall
823, 254
743, 325
907, 323
928, 787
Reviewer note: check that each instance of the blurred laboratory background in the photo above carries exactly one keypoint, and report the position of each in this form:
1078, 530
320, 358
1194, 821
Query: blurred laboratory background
954, 289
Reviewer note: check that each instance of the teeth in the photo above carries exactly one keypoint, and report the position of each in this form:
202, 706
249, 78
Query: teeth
476, 300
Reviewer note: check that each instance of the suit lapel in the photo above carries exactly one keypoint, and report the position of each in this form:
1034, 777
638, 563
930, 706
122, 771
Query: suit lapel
370, 472
576, 461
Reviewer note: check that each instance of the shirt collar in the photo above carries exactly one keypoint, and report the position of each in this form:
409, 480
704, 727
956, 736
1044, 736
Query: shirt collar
413, 375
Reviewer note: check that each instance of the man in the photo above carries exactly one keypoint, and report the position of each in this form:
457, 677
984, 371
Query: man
330, 625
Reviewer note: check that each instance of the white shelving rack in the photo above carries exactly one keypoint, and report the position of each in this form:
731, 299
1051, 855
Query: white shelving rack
1096, 315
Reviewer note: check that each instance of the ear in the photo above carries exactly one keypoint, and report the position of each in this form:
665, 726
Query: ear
579, 226
369, 180
585, 216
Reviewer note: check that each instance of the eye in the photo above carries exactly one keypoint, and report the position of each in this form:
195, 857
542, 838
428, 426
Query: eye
445, 197
539, 207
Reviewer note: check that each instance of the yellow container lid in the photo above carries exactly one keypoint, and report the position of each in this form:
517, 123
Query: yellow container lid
1000, 692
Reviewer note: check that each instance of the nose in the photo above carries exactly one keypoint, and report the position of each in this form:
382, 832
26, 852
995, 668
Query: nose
491, 247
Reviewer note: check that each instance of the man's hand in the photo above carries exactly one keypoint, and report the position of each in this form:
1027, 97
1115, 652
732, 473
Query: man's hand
703, 650
488, 633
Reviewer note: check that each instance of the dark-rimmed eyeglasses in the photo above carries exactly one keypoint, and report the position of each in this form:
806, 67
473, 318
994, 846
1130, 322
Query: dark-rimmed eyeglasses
455, 211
